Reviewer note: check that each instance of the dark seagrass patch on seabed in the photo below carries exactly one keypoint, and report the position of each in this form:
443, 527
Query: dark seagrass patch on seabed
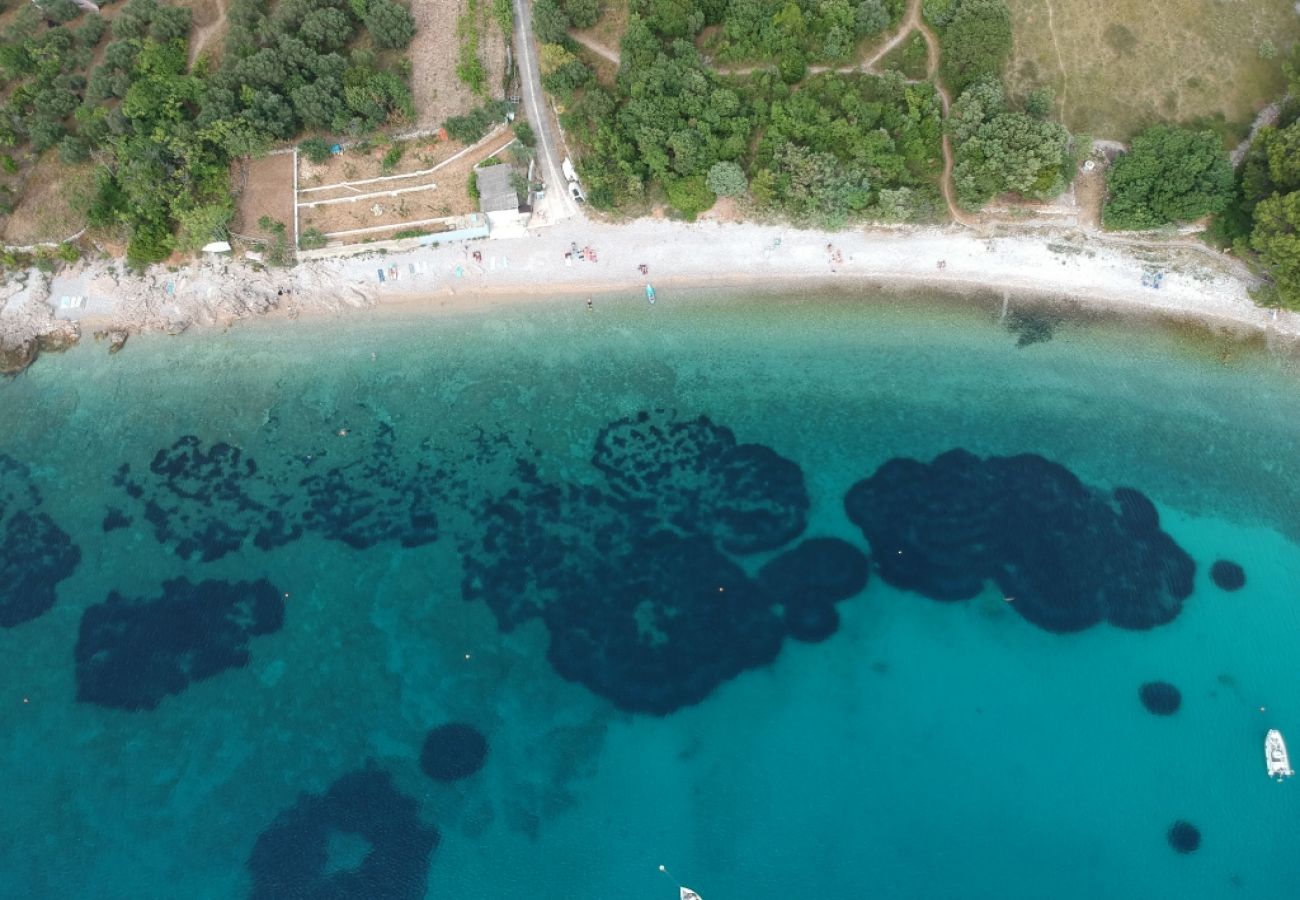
1066, 555
1228, 575
1033, 326
1184, 837
453, 751
208, 501
692, 475
293, 857
641, 604
131, 653
35, 554
809, 579
1160, 698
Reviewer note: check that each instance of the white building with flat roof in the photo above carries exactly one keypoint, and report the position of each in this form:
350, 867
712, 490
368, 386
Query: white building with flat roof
499, 201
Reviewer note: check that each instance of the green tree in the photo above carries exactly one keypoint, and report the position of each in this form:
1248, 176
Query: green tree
727, 179
315, 149
550, 22
999, 151
689, 196
203, 224
1277, 239
169, 23
391, 25
60, 11
976, 43
326, 29
1039, 102
91, 30
524, 132
317, 103
582, 13
1170, 174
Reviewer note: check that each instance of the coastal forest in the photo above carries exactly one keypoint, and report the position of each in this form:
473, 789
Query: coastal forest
162, 132
763, 100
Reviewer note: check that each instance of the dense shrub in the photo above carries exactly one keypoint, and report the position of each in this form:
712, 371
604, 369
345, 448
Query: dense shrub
727, 179
999, 150
474, 124
582, 13
1169, 175
689, 196
315, 149
976, 42
550, 22
391, 25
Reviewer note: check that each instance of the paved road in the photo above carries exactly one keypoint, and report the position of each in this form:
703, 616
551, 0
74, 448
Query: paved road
559, 205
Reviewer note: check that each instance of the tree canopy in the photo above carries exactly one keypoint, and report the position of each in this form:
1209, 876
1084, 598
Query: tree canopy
976, 41
822, 154
1170, 174
999, 150
1265, 212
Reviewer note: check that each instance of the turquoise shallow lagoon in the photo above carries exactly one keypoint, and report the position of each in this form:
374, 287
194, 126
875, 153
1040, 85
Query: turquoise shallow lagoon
925, 749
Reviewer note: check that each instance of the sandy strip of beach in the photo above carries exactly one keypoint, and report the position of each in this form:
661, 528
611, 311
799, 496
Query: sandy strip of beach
1197, 283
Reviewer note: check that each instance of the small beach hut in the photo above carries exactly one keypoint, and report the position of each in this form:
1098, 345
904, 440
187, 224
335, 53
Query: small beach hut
498, 199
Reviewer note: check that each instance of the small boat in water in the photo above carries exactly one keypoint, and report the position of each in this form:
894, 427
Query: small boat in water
1279, 764
650, 293
685, 892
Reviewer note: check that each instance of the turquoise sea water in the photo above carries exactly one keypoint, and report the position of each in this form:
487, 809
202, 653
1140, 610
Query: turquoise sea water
926, 749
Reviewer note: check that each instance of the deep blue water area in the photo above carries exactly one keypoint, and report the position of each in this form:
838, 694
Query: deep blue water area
881, 596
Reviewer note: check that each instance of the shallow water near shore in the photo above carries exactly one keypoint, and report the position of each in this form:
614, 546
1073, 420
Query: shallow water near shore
925, 749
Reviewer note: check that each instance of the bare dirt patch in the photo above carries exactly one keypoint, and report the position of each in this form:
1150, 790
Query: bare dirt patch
437, 89
609, 28
399, 198
208, 30
606, 71
264, 188
355, 165
1120, 66
47, 210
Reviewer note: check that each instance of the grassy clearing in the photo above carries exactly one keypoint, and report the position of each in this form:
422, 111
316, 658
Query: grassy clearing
51, 204
1120, 66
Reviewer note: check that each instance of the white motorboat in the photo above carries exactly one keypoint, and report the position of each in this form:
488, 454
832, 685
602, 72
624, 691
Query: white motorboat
1279, 764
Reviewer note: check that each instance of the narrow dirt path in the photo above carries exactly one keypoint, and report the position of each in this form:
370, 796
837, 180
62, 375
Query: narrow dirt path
599, 49
945, 100
911, 21
1060, 60
204, 34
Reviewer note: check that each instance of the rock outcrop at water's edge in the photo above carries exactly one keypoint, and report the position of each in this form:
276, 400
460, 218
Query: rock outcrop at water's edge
28, 326
121, 303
